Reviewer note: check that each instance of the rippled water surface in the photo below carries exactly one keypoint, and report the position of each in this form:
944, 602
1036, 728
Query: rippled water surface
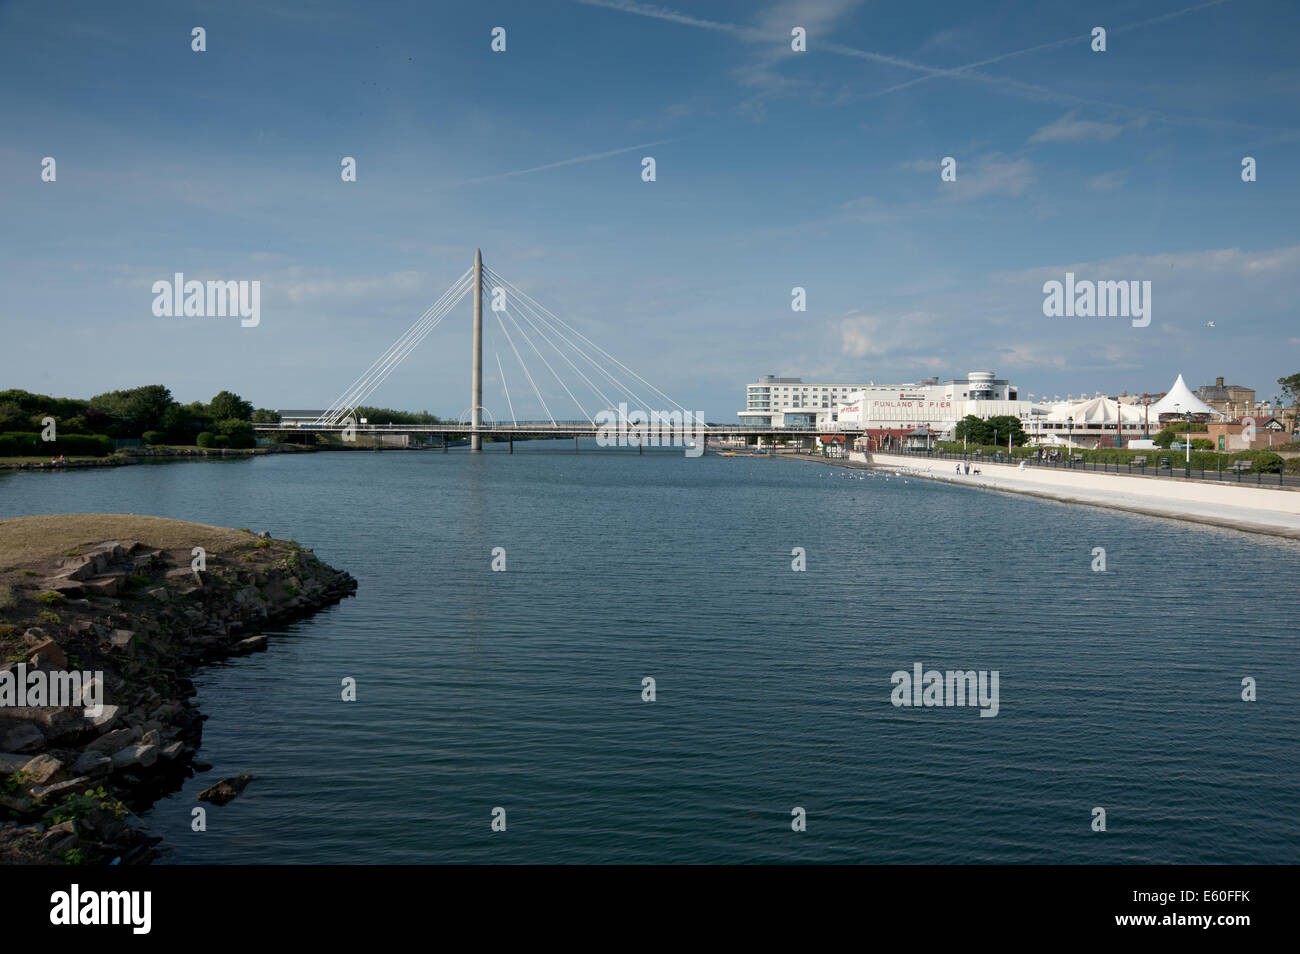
522, 689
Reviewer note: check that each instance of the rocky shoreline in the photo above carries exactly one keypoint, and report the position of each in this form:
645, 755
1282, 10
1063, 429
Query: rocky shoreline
71, 780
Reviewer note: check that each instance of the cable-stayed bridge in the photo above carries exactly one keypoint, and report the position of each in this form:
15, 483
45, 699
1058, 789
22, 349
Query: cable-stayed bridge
609, 394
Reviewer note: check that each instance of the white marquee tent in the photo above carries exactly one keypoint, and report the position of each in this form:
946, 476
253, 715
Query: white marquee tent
1179, 401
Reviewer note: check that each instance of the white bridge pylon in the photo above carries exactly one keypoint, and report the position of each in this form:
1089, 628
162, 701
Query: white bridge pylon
602, 381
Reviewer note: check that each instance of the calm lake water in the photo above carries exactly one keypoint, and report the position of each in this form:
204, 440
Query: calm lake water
522, 689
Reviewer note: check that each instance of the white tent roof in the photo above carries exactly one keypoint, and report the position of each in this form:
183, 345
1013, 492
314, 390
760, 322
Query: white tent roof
1095, 411
1180, 400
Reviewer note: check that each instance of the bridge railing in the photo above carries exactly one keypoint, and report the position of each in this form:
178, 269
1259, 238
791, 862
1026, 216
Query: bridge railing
537, 427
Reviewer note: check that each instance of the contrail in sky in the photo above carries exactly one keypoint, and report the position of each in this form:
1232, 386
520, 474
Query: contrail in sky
1041, 92
1043, 46
590, 157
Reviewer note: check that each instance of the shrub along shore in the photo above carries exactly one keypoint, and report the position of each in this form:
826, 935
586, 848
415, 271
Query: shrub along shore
128, 597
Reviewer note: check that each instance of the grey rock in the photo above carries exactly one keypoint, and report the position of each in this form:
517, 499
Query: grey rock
121, 638
61, 837
253, 644
11, 762
225, 790
139, 754
106, 719
20, 736
82, 569
113, 741
92, 764
58, 789
42, 768
105, 586
172, 751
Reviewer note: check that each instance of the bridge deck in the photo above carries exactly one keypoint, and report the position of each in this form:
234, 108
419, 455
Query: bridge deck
559, 428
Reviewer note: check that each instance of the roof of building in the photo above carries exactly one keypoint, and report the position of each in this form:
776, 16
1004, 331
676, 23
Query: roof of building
1098, 410
1181, 400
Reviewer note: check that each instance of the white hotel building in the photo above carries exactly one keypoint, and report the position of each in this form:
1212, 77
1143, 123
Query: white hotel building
788, 402
902, 408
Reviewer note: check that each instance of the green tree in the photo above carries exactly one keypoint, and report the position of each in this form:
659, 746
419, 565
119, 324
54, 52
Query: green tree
386, 415
264, 416
1291, 391
12, 417
1004, 424
238, 433
227, 405
134, 411
975, 430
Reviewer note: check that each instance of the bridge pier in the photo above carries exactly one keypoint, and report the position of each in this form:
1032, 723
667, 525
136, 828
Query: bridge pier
575, 443
476, 371
512, 443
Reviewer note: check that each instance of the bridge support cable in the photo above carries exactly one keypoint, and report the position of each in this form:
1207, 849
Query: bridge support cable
528, 374
387, 362
399, 355
347, 400
539, 354
593, 364
524, 310
524, 296
513, 420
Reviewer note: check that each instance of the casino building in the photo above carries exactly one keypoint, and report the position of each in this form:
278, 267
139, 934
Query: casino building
931, 404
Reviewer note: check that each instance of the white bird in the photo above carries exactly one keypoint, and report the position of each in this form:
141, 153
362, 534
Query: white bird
1209, 324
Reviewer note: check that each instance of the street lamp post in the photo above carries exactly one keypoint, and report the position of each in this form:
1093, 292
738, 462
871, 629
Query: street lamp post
1070, 439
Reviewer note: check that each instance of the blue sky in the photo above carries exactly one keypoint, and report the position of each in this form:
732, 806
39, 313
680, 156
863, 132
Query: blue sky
774, 169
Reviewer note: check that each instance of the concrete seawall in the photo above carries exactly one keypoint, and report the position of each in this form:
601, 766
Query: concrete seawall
1238, 506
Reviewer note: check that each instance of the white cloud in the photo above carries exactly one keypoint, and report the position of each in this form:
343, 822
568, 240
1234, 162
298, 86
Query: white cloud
1070, 129
875, 336
1108, 181
355, 289
989, 175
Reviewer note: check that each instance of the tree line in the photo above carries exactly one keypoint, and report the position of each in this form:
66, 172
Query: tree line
149, 413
